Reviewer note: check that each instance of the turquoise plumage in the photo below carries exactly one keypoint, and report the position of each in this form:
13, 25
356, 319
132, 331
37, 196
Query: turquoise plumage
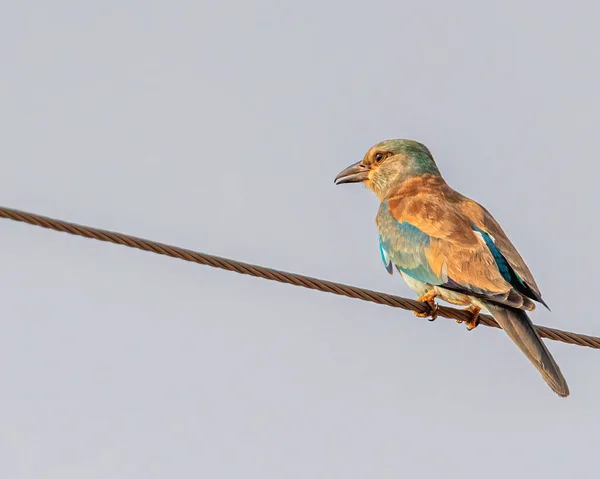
448, 246
406, 247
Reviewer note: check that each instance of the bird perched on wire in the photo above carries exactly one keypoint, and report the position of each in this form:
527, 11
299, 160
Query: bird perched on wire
447, 246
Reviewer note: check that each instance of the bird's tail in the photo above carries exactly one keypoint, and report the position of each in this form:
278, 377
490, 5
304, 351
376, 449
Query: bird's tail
519, 327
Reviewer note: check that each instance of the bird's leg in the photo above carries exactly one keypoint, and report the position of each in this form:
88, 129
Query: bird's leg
428, 298
474, 321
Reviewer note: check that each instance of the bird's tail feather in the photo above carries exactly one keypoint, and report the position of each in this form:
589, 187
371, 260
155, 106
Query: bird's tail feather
520, 329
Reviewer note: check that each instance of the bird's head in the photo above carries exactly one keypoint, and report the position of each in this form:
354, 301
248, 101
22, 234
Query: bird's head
389, 163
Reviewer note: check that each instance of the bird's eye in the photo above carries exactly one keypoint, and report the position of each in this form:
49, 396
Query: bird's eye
378, 157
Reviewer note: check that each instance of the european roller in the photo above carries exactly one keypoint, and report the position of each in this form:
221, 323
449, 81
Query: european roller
447, 246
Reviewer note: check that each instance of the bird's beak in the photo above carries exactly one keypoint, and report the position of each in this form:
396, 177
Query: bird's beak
353, 174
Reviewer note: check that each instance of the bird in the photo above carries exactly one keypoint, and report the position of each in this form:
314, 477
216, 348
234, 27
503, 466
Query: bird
447, 246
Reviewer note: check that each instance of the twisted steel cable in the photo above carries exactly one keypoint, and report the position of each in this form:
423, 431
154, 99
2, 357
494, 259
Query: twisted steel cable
276, 275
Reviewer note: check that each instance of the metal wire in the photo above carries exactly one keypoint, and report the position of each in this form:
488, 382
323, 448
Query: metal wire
276, 275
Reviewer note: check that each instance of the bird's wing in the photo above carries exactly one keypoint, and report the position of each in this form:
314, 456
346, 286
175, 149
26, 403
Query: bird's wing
432, 240
484, 220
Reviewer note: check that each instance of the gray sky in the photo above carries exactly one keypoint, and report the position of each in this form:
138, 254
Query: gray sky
220, 127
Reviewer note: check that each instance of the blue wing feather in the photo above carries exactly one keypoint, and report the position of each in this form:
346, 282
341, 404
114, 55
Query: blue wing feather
387, 262
404, 245
506, 270
503, 266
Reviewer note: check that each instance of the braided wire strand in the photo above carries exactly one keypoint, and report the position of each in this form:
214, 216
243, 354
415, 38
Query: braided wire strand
276, 275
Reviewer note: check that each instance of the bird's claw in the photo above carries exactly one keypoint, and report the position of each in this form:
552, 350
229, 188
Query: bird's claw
432, 311
474, 321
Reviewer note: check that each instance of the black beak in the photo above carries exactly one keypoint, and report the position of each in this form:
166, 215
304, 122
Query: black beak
353, 174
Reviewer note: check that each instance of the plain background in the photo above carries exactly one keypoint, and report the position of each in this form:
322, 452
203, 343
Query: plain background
219, 126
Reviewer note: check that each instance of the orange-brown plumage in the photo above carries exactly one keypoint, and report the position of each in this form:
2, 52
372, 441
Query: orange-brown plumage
428, 203
448, 246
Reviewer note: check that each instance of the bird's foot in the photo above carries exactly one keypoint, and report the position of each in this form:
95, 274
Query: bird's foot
432, 312
474, 321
